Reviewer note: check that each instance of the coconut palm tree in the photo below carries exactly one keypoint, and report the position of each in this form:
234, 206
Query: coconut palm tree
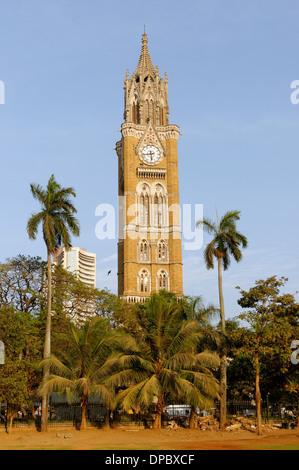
58, 223
82, 369
163, 361
226, 243
203, 314
210, 341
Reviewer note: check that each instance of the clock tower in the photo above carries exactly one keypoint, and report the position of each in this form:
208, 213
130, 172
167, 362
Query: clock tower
149, 245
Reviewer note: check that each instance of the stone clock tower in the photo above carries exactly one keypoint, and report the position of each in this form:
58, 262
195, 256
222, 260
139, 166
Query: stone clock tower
149, 246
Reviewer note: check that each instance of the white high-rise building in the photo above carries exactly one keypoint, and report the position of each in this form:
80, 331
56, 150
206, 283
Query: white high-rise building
78, 261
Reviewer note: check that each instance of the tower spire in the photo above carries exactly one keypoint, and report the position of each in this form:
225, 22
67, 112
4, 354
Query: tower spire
146, 94
145, 62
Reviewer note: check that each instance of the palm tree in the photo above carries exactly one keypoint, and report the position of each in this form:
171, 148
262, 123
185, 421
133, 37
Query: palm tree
210, 340
203, 314
58, 222
163, 361
82, 369
226, 242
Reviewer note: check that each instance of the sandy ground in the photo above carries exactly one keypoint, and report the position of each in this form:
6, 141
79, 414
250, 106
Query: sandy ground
148, 439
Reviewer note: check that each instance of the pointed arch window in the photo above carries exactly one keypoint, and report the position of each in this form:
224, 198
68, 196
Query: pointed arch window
149, 108
162, 251
144, 203
162, 280
144, 281
135, 112
144, 251
159, 206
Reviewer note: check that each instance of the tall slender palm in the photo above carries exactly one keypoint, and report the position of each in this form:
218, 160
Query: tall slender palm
58, 222
164, 361
83, 368
226, 243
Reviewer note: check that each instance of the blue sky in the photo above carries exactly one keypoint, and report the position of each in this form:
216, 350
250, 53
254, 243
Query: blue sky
230, 65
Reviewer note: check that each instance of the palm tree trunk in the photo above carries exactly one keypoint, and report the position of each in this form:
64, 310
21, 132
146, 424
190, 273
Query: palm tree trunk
223, 384
83, 425
107, 424
159, 409
192, 420
9, 419
258, 397
47, 347
221, 302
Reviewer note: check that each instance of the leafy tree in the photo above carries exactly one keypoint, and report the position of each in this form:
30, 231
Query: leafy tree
164, 362
292, 392
20, 335
21, 283
83, 368
271, 317
14, 389
227, 242
58, 223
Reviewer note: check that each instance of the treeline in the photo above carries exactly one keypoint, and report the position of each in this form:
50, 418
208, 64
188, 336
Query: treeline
141, 356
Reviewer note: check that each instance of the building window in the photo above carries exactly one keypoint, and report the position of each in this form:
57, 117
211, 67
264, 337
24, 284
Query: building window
144, 281
162, 280
135, 113
149, 108
144, 207
144, 251
162, 251
159, 206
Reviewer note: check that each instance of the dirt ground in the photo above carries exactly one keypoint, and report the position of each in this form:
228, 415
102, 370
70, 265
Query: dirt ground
148, 439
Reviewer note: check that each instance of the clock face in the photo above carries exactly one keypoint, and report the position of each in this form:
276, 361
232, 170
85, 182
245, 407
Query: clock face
150, 154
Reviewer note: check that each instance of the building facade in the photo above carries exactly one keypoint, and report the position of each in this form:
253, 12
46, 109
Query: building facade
149, 245
79, 262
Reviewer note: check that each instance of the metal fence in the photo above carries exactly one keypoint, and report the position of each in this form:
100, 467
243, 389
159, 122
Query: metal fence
65, 414
270, 411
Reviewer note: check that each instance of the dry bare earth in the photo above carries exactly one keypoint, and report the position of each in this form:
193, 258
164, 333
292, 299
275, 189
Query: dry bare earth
148, 439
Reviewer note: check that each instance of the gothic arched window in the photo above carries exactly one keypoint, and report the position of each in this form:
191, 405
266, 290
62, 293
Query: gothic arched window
162, 247
149, 108
144, 205
135, 112
144, 252
159, 206
162, 280
144, 281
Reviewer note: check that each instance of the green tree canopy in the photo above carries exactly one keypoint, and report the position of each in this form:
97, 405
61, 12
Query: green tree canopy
164, 362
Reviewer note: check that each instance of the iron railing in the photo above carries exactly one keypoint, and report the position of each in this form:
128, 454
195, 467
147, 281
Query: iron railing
65, 414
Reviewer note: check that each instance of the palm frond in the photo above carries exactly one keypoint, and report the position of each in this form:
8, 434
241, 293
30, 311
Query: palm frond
208, 225
209, 254
33, 223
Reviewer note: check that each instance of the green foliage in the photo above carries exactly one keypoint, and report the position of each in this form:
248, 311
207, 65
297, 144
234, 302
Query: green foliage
226, 242
272, 319
56, 215
82, 368
14, 386
20, 334
21, 283
18, 378
163, 361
